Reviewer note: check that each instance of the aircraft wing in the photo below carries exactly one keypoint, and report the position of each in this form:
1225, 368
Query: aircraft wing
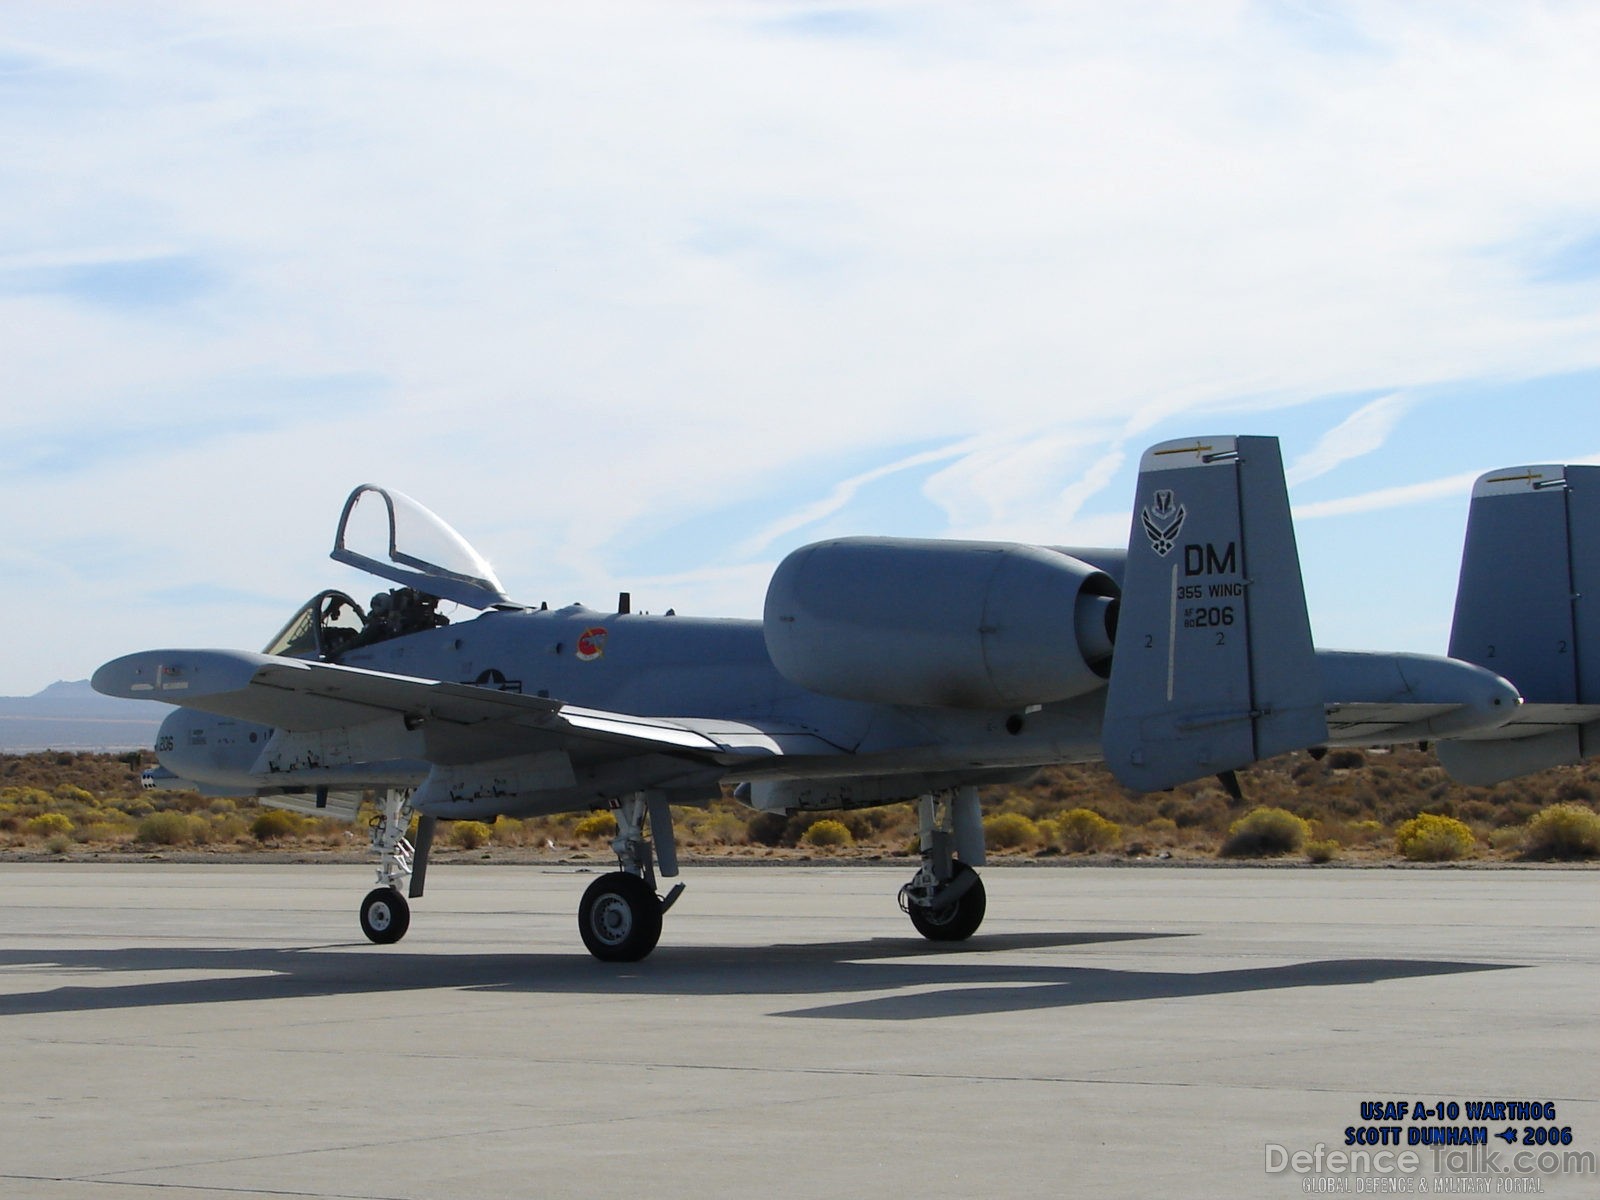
457, 722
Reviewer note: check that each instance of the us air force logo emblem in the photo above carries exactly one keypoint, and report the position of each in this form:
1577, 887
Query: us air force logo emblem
1162, 519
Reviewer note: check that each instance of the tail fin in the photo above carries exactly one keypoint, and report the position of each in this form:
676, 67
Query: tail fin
1528, 604
1214, 667
1528, 609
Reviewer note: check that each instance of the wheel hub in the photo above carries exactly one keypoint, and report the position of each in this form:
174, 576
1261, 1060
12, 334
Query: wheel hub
613, 919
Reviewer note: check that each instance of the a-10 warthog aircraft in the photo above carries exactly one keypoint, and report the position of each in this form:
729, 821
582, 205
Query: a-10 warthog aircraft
882, 670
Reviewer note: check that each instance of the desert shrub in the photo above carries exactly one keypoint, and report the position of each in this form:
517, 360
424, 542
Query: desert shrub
1507, 837
1346, 760
469, 835
222, 805
1576, 790
766, 828
856, 822
102, 831
828, 832
58, 843
229, 828
274, 825
167, 829
1084, 831
1009, 831
1265, 833
508, 831
1324, 850
716, 828
48, 825
72, 792
1366, 832
1563, 831
597, 826
1209, 810
1307, 772
1430, 837
26, 795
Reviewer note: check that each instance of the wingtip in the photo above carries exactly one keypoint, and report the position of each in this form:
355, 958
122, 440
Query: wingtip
167, 675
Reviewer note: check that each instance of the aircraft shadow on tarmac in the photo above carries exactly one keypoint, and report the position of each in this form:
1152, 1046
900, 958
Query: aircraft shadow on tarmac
897, 978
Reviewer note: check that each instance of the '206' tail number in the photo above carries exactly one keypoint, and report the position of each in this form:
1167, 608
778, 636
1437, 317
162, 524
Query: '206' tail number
1215, 617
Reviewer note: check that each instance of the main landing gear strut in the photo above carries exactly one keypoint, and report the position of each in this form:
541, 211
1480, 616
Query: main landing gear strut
945, 899
620, 914
385, 913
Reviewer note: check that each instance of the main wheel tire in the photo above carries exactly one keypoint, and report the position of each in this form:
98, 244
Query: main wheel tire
619, 918
953, 922
385, 916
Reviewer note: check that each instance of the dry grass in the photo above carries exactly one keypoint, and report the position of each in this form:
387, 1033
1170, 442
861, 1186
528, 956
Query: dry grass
1353, 804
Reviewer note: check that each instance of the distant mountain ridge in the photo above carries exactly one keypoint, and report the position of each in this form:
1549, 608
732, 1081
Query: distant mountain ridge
71, 715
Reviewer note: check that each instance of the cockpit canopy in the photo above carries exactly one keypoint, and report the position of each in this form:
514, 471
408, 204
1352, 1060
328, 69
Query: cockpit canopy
326, 624
389, 534
392, 536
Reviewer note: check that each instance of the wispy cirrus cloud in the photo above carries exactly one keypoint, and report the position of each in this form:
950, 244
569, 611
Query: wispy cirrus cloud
1361, 433
1404, 495
841, 495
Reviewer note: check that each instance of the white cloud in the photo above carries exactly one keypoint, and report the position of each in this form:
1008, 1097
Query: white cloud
840, 496
1399, 496
611, 265
1407, 494
1362, 432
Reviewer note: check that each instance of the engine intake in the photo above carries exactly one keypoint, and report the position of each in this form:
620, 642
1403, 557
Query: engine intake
981, 625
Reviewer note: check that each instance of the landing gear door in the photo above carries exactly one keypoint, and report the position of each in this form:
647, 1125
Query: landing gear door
389, 534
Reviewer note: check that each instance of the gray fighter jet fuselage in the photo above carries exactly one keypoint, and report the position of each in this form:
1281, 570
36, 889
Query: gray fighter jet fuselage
882, 670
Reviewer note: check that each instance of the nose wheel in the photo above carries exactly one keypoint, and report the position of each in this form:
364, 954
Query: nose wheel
385, 913
385, 916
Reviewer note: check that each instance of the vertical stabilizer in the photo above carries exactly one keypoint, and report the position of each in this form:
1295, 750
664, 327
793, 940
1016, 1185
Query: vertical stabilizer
1214, 667
1528, 604
1528, 609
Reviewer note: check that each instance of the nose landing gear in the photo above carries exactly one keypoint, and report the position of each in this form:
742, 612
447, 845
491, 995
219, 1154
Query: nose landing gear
385, 913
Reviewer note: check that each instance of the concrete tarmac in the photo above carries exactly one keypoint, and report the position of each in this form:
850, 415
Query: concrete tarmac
224, 1031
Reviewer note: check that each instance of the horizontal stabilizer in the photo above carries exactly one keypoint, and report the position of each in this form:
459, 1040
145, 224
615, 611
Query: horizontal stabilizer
1214, 667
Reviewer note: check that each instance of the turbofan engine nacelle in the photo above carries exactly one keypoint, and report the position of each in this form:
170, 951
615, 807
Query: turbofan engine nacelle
987, 625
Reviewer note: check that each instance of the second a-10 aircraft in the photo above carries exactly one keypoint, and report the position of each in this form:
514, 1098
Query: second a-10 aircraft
883, 670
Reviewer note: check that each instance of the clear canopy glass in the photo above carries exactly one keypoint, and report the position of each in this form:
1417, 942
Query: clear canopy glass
389, 534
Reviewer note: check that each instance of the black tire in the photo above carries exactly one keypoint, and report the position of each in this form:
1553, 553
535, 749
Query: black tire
954, 922
385, 916
619, 918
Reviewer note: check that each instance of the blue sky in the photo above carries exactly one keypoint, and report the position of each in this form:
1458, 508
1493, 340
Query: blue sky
643, 296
